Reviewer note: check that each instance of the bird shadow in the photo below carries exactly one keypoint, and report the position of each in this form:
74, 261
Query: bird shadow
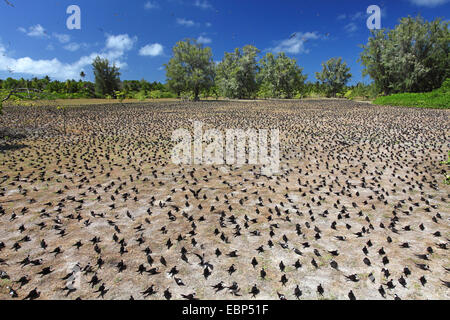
9, 140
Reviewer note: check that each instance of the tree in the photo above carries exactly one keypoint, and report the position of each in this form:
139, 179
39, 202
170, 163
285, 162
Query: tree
236, 74
107, 77
413, 57
280, 75
191, 68
335, 75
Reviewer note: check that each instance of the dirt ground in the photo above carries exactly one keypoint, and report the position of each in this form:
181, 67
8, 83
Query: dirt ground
358, 209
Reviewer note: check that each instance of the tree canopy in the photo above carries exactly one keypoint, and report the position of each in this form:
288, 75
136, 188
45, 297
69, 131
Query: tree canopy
236, 74
413, 57
335, 75
107, 77
280, 76
191, 68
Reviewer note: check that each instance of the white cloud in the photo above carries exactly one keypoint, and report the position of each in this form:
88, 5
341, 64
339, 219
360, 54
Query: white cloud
36, 31
203, 40
151, 5
185, 22
203, 4
121, 42
63, 38
429, 3
208, 24
342, 16
152, 50
351, 27
114, 51
296, 43
73, 46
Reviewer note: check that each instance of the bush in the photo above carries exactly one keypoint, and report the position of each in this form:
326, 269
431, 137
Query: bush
141, 95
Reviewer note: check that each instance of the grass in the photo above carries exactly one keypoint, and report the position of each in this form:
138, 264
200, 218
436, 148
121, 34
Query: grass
437, 99
420, 100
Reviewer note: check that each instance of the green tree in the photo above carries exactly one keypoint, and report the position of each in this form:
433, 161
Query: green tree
413, 57
107, 77
236, 74
191, 68
280, 75
335, 75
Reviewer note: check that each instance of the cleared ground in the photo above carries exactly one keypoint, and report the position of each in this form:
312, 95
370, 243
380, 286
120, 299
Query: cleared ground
359, 206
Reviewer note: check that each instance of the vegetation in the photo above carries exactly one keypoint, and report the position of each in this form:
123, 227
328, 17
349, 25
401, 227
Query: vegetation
447, 175
280, 76
439, 98
236, 74
362, 91
406, 63
335, 75
413, 57
191, 68
107, 77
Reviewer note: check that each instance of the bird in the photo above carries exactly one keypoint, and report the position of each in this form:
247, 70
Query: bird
351, 295
32, 295
254, 291
320, 289
149, 291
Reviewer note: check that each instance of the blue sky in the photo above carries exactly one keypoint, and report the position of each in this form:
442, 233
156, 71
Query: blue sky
139, 34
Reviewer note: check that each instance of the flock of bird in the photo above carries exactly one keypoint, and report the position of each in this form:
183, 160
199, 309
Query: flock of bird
358, 210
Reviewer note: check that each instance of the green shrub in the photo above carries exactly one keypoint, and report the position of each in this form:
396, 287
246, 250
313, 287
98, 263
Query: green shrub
141, 95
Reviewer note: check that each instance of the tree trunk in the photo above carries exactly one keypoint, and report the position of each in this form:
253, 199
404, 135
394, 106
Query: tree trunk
196, 94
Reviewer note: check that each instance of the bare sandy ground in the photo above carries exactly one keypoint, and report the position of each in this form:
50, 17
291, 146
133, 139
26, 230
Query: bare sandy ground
359, 202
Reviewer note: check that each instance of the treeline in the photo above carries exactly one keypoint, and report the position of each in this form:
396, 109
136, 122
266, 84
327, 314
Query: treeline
72, 89
412, 57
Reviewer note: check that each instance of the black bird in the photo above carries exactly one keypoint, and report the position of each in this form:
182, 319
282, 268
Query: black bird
23, 281
423, 266
382, 292
351, 296
334, 265
320, 289
284, 279
390, 285
406, 271
12, 293
219, 287
353, 278
150, 291
255, 291
121, 266
45, 271
402, 281
423, 281
178, 281
190, 296
32, 295
263, 274
231, 269
297, 292
167, 294
173, 271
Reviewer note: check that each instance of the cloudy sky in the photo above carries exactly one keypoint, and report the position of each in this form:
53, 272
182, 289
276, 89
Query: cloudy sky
138, 35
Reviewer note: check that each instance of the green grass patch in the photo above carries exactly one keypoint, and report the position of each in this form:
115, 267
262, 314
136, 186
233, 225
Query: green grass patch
438, 99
